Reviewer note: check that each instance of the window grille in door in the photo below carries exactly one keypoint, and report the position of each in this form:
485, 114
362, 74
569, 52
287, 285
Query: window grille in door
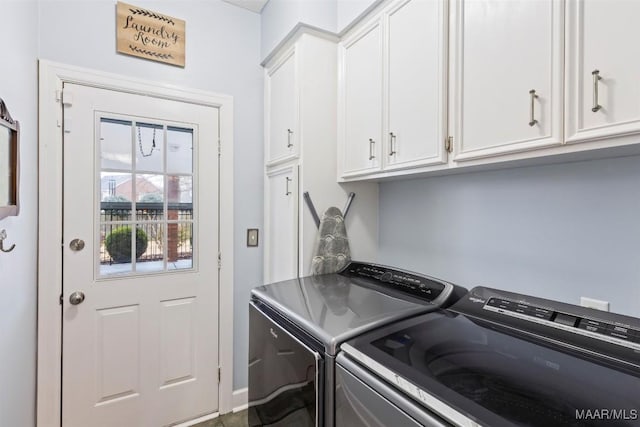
146, 205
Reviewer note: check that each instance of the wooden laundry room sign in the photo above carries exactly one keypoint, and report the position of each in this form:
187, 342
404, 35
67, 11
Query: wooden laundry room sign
150, 35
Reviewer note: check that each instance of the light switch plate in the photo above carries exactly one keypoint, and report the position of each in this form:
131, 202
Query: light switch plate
252, 237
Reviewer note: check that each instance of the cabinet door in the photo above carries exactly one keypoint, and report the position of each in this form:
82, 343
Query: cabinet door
281, 110
281, 233
361, 109
417, 91
603, 69
504, 51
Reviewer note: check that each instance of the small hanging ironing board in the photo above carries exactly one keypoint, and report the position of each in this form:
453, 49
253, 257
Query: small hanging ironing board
332, 251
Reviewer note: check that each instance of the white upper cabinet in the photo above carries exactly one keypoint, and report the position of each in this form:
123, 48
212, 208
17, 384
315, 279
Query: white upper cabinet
393, 91
603, 69
361, 101
417, 90
281, 109
507, 76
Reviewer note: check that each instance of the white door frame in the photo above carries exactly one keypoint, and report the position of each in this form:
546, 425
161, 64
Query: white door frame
51, 78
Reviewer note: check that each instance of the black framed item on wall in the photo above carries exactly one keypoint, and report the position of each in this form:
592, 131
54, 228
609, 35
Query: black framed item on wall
9, 159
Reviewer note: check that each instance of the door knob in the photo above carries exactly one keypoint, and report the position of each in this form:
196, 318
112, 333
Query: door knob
76, 245
76, 298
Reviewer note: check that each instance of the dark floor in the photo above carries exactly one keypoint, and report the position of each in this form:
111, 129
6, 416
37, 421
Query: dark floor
238, 419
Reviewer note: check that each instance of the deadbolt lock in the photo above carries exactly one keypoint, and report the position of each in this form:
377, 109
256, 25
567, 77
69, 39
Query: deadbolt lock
76, 245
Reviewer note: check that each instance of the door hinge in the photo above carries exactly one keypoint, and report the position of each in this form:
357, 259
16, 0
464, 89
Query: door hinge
58, 95
67, 98
219, 260
448, 144
67, 101
219, 374
61, 299
219, 148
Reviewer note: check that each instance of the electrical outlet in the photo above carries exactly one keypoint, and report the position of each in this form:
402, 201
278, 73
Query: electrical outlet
594, 303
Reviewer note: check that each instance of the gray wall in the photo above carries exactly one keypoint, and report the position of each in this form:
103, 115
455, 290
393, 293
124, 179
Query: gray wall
559, 231
18, 268
280, 16
348, 10
222, 55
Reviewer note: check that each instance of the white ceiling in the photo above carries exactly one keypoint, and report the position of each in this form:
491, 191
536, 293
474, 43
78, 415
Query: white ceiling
252, 5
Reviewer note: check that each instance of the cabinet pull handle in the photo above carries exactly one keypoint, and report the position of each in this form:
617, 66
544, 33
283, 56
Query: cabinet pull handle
288, 181
392, 144
596, 77
287, 192
532, 120
289, 144
372, 143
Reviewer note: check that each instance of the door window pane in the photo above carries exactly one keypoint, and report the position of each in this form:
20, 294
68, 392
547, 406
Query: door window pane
179, 150
179, 189
115, 212
116, 248
149, 147
115, 187
149, 197
180, 245
150, 247
115, 144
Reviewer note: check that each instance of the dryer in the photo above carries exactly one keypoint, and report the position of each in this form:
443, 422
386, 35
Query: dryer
297, 326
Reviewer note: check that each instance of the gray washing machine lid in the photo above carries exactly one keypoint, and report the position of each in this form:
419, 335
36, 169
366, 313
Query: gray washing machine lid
502, 359
336, 307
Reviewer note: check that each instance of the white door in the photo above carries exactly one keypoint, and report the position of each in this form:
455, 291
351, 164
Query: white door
362, 100
140, 246
603, 69
417, 83
508, 76
281, 109
281, 234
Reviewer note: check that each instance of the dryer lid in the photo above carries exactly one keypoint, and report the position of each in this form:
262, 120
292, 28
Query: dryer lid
336, 307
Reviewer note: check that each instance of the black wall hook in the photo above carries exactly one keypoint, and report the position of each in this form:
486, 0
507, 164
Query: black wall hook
3, 236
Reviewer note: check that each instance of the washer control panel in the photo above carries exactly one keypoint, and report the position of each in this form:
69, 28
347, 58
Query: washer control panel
611, 334
615, 333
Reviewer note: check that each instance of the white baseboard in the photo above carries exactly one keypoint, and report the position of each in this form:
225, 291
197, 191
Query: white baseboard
198, 420
240, 399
